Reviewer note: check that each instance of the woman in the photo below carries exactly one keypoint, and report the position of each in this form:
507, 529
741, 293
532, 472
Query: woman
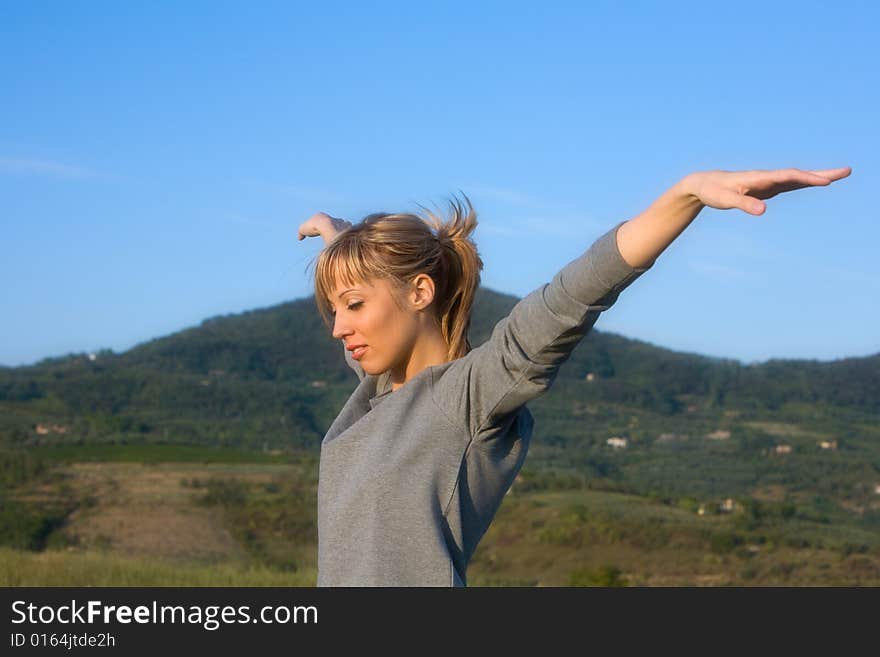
418, 461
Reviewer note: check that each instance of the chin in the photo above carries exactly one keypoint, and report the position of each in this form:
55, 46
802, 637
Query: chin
373, 369
368, 369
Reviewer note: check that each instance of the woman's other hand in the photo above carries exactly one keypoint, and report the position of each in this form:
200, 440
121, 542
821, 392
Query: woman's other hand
322, 225
746, 189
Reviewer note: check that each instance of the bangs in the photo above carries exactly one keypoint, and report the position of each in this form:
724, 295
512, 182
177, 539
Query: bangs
342, 263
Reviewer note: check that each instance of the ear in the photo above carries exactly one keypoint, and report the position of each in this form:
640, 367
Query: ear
422, 293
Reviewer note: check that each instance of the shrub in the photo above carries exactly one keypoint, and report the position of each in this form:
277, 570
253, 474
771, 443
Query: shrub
225, 492
25, 528
606, 575
724, 542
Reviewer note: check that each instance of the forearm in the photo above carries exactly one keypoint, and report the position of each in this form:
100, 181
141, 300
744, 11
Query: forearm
331, 232
642, 239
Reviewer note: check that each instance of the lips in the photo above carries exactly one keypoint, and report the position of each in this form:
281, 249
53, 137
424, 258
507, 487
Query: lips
357, 350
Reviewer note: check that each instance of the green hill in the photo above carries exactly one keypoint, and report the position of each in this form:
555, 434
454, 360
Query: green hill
788, 441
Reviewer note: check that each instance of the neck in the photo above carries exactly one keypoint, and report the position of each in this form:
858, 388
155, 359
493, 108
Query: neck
430, 349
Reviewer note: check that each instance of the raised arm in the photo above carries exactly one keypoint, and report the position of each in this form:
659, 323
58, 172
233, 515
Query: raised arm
521, 359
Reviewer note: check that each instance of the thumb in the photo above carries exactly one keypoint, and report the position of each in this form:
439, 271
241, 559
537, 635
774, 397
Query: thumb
754, 206
748, 204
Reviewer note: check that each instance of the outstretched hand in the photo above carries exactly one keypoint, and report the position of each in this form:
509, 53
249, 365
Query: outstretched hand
746, 189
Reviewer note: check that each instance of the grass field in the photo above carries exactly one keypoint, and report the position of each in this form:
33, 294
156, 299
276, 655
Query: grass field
154, 454
223, 521
96, 568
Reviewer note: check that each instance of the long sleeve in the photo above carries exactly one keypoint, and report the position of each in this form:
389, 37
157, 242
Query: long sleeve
521, 359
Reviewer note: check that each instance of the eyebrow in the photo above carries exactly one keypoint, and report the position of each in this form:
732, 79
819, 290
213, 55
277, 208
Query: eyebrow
343, 293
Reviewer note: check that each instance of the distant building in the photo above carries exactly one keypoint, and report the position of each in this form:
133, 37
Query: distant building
589, 377
43, 429
719, 434
726, 506
877, 489
782, 449
319, 383
617, 442
828, 444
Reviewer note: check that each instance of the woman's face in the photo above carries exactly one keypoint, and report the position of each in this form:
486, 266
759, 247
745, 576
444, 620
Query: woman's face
366, 314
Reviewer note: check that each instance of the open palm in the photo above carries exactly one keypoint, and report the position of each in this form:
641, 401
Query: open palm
746, 189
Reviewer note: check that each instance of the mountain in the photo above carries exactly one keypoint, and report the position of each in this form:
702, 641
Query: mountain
274, 376
623, 415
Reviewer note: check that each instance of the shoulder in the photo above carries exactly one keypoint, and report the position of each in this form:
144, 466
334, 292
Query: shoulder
447, 388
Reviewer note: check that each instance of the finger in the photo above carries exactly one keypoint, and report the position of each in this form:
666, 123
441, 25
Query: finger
784, 180
809, 177
801, 175
833, 174
753, 206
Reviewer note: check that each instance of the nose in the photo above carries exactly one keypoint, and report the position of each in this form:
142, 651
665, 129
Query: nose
339, 330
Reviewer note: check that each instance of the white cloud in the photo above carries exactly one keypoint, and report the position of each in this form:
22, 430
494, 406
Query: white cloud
852, 277
577, 228
723, 272
43, 167
542, 217
493, 228
509, 196
740, 244
312, 195
262, 223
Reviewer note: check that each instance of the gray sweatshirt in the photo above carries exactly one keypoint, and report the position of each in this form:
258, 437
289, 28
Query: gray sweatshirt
410, 479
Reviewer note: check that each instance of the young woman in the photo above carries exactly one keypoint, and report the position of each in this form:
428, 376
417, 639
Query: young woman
417, 463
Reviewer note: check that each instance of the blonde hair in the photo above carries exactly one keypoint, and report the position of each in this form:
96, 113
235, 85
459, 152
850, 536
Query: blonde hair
397, 247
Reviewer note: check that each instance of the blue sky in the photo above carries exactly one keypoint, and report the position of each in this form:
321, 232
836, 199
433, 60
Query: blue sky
156, 160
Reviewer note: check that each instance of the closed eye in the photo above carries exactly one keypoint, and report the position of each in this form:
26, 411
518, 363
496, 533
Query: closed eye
356, 304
